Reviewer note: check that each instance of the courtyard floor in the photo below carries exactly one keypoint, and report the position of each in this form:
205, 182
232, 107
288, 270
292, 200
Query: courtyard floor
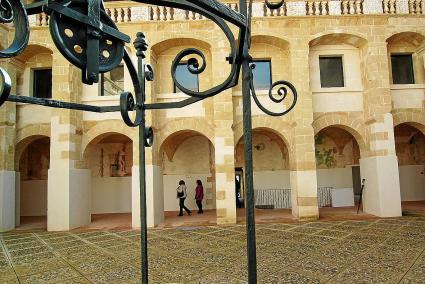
349, 251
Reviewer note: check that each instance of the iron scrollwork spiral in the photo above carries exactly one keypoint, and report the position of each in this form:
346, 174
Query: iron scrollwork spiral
14, 11
5, 85
190, 56
284, 90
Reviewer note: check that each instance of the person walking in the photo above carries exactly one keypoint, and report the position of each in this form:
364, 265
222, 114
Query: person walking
199, 195
181, 195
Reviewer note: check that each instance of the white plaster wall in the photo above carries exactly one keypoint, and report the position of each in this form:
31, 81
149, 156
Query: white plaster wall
272, 179
171, 182
335, 177
111, 195
381, 196
17, 198
79, 197
68, 198
154, 196
412, 182
7, 200
33, 198
408, 96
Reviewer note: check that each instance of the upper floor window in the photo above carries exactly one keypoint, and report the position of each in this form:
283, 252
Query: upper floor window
112, 83
186, 79
42, 83
402, 69
262, 74
331, 71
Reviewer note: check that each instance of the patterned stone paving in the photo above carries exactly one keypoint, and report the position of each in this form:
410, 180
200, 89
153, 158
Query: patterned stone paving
375, 251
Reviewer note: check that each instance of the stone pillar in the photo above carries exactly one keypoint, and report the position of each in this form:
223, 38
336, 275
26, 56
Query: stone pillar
381, 195
223, 142
154, 181
8, 174
69, 188
303, 161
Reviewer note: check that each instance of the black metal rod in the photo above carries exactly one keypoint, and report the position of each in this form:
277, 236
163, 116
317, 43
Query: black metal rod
249, 180
143, 217
142, 167
60, 104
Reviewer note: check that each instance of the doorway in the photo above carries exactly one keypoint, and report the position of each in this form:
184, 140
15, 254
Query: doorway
239, 188
357, 186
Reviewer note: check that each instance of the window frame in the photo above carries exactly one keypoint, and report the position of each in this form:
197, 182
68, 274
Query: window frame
412, 68
338, 56
184, 63
254, 61
33, 81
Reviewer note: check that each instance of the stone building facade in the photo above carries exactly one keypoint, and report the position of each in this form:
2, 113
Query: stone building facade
68, 164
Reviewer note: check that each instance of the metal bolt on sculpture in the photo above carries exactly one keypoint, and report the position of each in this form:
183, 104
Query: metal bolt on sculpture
89, 39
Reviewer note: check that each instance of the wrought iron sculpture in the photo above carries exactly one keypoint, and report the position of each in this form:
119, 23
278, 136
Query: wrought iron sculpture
89, 39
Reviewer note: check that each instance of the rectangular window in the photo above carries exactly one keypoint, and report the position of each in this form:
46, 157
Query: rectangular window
112, 83
262, 74
186, 79
42, 83
402, 69
331, 71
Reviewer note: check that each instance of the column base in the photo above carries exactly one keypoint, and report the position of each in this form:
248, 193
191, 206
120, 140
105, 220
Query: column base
7, 200
381, 196
154, 196
304, 195
69, 199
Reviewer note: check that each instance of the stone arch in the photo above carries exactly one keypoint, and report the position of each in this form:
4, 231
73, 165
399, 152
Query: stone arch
178, 137
163, 45
413, 118
104, 128
273, 124
26, 136
338, 37
33, 49
415, 38
271, 39
194, 124
352, 125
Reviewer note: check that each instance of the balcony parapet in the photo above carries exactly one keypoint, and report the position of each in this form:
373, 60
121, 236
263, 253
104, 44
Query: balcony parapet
127, 11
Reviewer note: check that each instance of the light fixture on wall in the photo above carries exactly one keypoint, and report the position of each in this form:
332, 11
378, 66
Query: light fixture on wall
260, 147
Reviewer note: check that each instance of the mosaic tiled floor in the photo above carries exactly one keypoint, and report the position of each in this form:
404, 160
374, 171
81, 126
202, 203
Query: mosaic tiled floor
373, 251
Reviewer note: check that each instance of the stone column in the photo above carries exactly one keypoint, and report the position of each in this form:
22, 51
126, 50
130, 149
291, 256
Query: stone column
8, 175
223, 141
380, 167
303, 161
154, 182
69, 188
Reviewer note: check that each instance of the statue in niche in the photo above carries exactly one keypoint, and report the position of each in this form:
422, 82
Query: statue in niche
121, 161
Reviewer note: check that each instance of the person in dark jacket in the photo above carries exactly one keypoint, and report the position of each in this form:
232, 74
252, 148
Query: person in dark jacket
199, 196
181, 195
